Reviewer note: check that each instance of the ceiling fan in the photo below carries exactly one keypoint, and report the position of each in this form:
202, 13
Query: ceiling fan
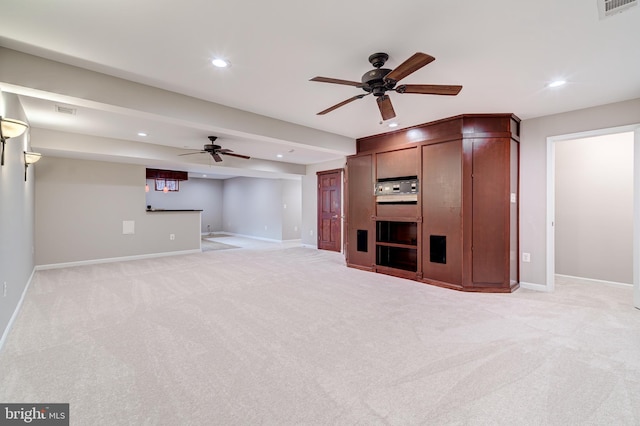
381, 80
216, 150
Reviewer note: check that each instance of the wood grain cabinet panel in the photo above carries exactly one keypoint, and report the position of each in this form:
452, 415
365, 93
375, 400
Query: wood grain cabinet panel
360, 227
441, 192
398, 163
490, 212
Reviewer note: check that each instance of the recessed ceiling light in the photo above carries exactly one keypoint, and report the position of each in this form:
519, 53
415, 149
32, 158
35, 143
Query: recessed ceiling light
220, 63
279, 155
204, 175
142, 134
392, 125
557, 83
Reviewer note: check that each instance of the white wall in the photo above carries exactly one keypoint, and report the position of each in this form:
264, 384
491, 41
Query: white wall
195, 193
81, 206
533, 168
594, 207
16, 218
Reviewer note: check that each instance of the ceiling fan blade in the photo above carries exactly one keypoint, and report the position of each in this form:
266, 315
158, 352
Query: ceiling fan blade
343, 103
246, 157
216, 157
191, 153
413, 64
336, 81
386, 108
429, 89
223, 151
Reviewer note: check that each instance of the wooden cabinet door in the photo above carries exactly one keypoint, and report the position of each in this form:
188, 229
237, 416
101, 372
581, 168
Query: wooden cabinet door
441, 190
397, 163
491, 213
360, 209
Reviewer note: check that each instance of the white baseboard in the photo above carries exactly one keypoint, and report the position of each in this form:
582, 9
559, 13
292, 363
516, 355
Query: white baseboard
15, 311
592, 280
114, 259
532, 286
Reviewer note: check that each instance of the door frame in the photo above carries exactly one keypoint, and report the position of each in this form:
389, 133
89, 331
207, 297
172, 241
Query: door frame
550, 229
342, 199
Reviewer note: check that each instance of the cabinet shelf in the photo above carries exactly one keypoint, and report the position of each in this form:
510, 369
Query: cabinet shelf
409, 246
396, 245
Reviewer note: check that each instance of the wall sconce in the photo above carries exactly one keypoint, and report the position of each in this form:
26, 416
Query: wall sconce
10, 128
30, 158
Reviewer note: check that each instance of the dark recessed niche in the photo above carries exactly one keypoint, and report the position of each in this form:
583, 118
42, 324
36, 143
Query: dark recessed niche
397, 232
438, 248
397, 257
362, 238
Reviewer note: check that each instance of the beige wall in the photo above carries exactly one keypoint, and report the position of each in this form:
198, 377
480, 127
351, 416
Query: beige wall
533, 172
81, 206
16, 218
256, 207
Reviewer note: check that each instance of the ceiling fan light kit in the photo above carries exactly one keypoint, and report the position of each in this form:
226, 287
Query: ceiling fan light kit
380, 80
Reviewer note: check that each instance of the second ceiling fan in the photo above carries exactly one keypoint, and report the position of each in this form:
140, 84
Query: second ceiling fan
381, 80
215, 151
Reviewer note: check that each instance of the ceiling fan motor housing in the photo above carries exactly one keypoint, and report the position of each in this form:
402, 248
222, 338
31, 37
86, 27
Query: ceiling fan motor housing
211, 147
373, 81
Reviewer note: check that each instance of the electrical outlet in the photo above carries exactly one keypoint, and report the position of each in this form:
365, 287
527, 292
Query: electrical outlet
172, 237
311, 232
526, 257
4, 289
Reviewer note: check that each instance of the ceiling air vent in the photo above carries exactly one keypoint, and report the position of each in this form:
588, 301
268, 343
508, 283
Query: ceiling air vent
65, 110
611, 7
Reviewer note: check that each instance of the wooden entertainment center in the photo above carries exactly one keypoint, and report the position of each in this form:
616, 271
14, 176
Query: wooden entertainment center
438, 203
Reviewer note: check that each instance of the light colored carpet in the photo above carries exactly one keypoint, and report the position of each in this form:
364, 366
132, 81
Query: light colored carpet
293, 337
